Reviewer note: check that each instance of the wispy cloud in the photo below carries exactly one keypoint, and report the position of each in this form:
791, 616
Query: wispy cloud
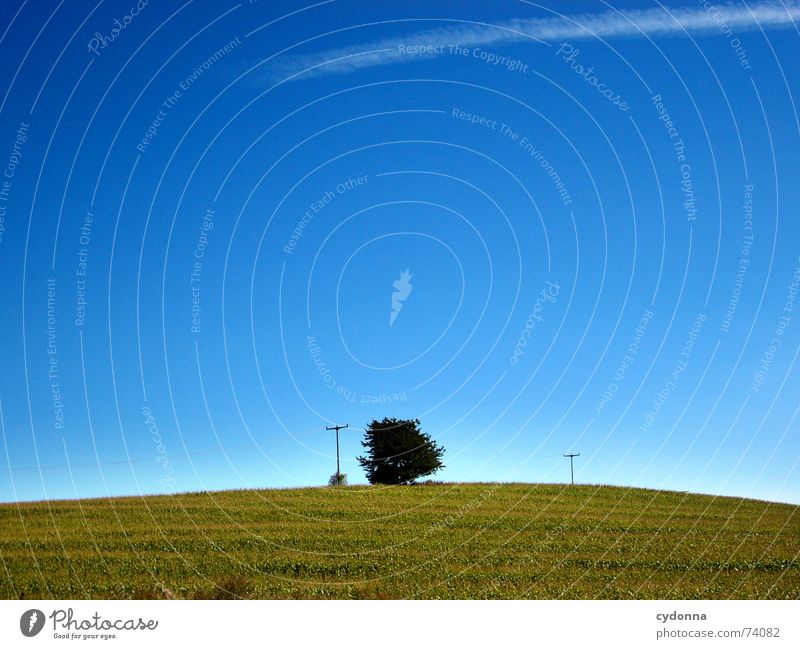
697, 20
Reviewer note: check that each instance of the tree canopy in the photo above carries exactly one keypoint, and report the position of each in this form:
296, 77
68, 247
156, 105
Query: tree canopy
398, 452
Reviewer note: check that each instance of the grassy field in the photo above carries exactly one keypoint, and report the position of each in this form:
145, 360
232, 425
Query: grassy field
425, 541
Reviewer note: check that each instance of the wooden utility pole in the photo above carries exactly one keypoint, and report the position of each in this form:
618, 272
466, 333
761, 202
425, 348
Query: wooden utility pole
571, 471
337, 429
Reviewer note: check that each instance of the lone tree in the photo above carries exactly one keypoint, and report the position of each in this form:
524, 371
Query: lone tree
398, 452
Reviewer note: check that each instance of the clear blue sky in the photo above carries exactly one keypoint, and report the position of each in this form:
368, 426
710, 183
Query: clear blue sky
598, 213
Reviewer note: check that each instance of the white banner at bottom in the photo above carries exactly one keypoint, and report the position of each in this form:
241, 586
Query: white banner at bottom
400, 624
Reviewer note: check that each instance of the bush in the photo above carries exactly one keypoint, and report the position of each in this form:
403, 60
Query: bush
337, 480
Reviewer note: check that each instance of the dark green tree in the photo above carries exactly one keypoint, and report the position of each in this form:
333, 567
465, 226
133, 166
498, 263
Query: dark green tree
398, 452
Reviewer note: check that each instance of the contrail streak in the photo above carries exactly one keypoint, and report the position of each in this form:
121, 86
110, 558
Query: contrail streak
704, 18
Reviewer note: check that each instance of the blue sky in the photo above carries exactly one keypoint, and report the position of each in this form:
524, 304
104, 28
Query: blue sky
209, 207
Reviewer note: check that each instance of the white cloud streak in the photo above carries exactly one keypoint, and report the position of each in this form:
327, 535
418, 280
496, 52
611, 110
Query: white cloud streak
705, 18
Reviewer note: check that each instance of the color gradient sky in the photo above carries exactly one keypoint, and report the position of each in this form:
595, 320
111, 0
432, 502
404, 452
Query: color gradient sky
208, 210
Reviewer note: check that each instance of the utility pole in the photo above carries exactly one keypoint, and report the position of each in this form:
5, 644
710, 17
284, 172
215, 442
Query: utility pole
337, 428
571, 472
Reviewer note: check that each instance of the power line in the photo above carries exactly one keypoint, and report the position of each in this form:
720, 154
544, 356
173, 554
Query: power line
571, 471
337, 428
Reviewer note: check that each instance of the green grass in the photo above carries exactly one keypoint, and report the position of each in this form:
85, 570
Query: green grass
424, 541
